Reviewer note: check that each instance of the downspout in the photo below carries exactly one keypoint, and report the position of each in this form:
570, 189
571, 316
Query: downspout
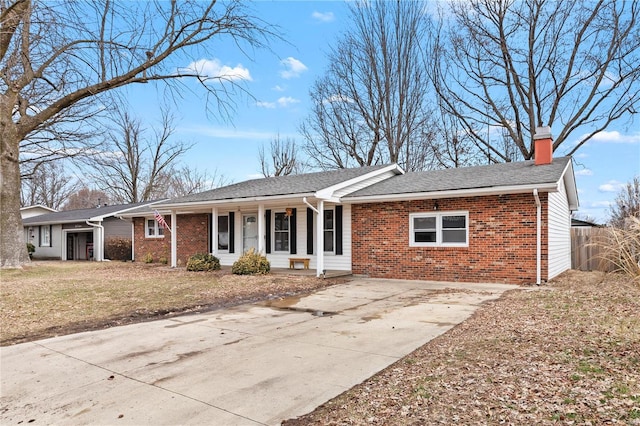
304, 200
100, 246
538, 236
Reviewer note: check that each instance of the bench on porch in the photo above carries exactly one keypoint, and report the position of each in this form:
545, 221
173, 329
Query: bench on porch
294, 260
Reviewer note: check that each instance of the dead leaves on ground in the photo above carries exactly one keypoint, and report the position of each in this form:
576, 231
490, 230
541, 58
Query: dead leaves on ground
568, 353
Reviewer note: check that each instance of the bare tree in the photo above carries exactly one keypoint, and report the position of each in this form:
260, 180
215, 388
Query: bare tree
187, 180
371, 106
49, 186
134, 166
282, 159
571, 65
626, 204
58, 58
86, 198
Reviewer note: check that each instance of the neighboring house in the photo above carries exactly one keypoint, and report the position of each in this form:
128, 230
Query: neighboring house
498, 223
76, 234
579, 223
36, 210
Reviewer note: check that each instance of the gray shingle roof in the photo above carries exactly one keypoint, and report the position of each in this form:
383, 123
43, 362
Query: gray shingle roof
278, 185
494, 175
79, 215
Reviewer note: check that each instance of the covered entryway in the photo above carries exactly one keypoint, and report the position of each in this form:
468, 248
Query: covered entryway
249, 232
78, 244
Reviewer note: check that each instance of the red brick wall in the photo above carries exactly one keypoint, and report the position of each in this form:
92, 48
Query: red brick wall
192, 236
502, 241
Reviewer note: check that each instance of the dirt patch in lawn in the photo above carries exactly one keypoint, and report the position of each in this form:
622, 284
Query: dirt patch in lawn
565, 353
48, 299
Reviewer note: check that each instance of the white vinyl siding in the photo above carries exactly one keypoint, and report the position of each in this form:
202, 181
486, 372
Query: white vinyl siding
281, 259
341, 262
363, 184
559, 217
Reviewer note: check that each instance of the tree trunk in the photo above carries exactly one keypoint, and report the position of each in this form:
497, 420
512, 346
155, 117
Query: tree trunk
13, 248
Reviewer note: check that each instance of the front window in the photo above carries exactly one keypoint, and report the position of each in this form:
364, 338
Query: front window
45, 236
281, 232
439, 229
152, 230
223, 232
329, 230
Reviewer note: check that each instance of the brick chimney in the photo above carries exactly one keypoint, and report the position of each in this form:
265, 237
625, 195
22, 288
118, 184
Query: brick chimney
543, 149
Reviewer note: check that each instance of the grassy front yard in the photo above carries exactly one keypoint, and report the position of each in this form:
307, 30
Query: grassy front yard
564, 353
53, 298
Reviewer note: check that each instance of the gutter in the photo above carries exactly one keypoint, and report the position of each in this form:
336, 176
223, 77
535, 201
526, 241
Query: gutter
100, 246
304, 200
538, 235
494, 190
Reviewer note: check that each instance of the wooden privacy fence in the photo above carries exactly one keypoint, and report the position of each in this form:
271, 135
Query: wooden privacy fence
588, 249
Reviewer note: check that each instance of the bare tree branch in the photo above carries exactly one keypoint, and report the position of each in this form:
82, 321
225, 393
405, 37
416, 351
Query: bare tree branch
60, 58
571, 65
371, 106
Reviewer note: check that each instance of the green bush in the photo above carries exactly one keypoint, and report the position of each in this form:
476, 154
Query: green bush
117, 248
147, 258
30, 249
203, 262
251, 262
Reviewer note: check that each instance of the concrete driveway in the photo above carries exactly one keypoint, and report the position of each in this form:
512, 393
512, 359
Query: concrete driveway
252, 364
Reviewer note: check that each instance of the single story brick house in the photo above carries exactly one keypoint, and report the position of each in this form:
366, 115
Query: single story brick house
505, 222
76, 234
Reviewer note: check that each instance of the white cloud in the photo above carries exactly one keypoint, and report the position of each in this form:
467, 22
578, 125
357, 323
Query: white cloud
616, 137
287, 101
278, 88
293, 68
584, 172
263, 104
611, 186
213, 69
323, 16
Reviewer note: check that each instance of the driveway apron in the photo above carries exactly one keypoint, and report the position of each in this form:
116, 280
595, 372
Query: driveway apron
254, 364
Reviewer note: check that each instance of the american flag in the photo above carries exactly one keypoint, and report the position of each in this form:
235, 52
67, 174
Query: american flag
160, 219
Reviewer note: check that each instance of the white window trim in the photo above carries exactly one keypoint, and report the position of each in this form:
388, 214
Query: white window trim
438, 216
273, 234
333, 232
45, 236
155, 227
218, 249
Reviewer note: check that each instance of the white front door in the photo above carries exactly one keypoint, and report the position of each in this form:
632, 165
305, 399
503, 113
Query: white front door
249, 232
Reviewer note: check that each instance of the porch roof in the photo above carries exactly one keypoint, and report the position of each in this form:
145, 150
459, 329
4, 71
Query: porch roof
306, 184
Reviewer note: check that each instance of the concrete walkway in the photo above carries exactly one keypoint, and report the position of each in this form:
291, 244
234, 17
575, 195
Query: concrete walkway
252, 364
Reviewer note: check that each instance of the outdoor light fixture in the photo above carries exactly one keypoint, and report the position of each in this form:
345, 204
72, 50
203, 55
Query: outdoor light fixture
435, 205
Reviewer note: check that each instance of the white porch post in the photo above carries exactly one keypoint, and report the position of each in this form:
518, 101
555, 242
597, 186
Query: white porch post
262, 236
320, 245
174, 239
214, 231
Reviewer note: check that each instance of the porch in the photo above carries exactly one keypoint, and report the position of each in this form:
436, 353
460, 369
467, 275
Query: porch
333, 273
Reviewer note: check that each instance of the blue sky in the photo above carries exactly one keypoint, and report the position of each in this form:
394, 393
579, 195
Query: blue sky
280, 80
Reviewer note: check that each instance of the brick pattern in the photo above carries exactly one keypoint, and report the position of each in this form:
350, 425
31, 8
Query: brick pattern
502, 241
192, 236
